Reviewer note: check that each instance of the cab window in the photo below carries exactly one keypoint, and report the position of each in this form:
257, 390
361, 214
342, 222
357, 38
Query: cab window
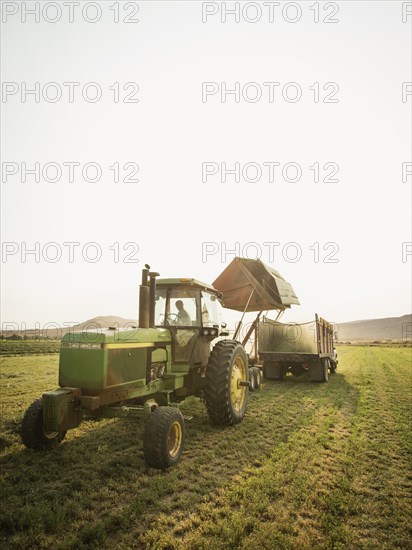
210, 310
183, 307
160, 306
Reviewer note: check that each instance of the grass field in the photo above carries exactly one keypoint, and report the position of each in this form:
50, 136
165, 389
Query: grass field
311, 466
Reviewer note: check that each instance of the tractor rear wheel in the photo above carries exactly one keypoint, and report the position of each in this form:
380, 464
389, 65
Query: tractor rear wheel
163, 439
226, 385
32, 432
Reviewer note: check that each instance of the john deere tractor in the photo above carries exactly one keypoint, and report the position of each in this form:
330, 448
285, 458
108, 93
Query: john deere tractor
149, 368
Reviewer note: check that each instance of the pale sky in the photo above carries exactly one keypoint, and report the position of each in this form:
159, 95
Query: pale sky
181, 217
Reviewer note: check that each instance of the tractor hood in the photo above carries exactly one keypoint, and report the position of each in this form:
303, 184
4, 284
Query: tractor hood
106, 336
243, 276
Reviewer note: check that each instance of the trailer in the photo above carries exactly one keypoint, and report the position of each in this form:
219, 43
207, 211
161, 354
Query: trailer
298, 348
251, 286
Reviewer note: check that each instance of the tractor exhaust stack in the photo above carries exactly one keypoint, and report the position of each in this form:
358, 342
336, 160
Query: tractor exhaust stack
144, 302
152, 298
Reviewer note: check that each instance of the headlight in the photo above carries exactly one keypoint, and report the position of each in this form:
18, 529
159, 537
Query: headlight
210, 332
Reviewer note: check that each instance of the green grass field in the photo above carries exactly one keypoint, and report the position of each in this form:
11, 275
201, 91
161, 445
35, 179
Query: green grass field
311, 466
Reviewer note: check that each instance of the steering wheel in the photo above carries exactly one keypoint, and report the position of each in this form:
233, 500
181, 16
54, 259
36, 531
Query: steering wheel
171, 319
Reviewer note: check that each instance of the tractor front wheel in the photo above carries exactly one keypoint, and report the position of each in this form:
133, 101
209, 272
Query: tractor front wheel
227, 383
32, 431
163, 439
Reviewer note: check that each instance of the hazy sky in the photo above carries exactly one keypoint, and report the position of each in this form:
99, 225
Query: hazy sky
314, 137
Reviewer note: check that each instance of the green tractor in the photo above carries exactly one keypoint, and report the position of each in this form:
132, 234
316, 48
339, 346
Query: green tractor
114, 373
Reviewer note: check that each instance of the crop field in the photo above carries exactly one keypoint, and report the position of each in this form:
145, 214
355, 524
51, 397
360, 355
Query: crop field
311, 466
29, 347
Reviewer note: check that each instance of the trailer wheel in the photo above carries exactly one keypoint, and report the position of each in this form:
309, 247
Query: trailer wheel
273, 370
252, 379
257, 376
163, 439
226, 385
325, 370
32, 432
318, 370
270, 370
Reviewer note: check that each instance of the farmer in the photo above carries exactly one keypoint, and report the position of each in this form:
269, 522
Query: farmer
183, 318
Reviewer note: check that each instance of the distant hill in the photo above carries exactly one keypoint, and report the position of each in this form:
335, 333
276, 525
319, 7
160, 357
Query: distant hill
104, 322
388, 328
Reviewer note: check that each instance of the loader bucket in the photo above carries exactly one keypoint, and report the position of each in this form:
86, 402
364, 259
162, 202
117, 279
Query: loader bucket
242, 276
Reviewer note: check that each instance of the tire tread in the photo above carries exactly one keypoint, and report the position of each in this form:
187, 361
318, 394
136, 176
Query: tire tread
156, 430
217, 384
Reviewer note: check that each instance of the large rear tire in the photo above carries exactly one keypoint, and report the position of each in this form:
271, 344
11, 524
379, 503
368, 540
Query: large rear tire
226, 385
163, 439
32, 432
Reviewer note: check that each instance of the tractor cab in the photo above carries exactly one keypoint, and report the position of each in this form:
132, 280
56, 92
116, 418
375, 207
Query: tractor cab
191, 311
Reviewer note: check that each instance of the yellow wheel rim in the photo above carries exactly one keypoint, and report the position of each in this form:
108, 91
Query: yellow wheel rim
174, 439
238, 392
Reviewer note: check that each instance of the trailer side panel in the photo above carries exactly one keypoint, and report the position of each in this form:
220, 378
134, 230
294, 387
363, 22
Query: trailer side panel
287, 338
